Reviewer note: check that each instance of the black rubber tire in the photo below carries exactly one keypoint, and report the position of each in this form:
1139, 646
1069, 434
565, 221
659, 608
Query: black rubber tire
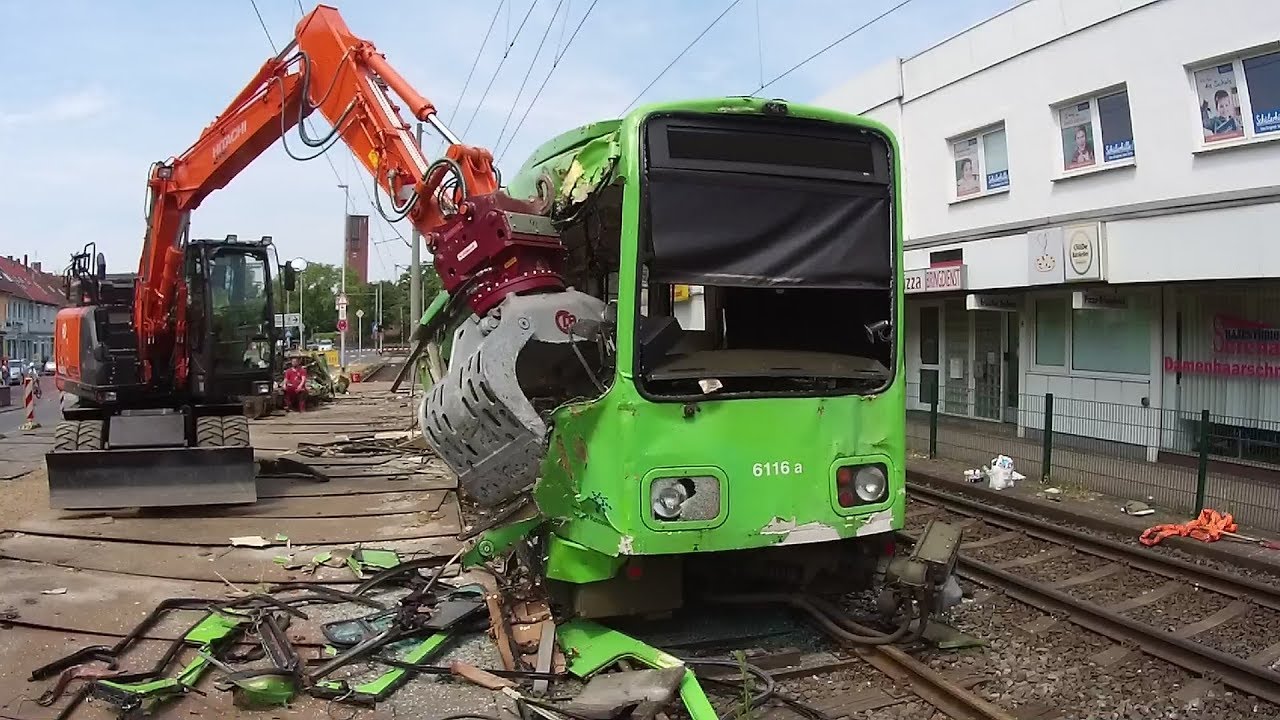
235, 431
90, 435
209, 432
66, 436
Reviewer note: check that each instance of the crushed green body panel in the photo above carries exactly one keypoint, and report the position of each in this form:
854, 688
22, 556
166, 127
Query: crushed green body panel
591, 647
212, 632
495, 542
571, 562
383, 685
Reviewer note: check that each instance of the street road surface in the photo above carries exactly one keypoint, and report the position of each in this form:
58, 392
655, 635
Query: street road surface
22, 451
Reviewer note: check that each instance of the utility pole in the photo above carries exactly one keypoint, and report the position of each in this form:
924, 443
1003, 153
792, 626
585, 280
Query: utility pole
415, 264
342, 335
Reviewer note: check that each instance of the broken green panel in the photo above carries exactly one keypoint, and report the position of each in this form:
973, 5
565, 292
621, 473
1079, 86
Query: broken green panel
380, 559
591, 647
385, 684
211, 632
571, 562
497, 541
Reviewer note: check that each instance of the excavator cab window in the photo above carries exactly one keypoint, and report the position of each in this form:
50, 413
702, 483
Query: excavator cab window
239, 311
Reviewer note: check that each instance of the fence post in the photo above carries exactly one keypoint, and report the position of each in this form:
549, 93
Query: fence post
1202, 469
1046, 460
933, 424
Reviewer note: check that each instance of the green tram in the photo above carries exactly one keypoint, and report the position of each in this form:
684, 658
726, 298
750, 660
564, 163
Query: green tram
743, 419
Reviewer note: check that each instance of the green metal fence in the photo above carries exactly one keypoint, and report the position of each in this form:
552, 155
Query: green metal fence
1181, 460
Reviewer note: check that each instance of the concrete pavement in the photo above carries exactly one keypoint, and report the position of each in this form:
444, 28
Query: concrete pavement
23, 451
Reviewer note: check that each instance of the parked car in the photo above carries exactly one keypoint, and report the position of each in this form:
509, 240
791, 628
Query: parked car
50, 367
16, 369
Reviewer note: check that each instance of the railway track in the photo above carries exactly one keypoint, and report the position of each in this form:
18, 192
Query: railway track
1084, 561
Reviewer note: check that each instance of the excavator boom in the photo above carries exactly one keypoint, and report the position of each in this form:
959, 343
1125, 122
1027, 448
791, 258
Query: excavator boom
492, 252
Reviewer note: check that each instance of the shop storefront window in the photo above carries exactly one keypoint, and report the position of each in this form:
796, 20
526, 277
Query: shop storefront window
1051, 331
1117, 341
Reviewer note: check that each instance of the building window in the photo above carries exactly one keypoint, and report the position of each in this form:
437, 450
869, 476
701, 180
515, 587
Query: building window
1051, 331
981, 163
1115, 341
1096, 132
1239, 99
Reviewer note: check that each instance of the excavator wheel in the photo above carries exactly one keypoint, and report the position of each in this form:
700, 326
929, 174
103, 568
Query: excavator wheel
72, 435
90, 435
209, 431
235, 431
65, 436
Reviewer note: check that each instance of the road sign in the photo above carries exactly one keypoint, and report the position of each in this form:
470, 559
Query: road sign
342, 302
286, 320
359, 313
342, 312
342, 325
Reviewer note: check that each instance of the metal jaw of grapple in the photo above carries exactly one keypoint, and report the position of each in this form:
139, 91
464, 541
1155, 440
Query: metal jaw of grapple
480, 418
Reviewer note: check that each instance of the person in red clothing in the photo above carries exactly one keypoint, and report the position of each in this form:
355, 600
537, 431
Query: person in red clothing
295, 386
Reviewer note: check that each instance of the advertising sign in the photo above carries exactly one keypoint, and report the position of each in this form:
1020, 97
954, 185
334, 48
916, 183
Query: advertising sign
1082, 252
1044, 256
935, 279
996, 303
1241, 348
1098, 300
968, 182
1077, 136
1219, 103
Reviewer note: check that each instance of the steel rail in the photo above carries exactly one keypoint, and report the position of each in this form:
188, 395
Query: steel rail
1135, 556
931, 686
1203, 660
1239, 673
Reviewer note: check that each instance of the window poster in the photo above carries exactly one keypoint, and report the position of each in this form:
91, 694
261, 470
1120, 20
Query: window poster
968, 182
1077, 136
1219, 103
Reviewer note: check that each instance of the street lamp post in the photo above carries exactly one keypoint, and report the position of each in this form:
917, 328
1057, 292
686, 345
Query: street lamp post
300, 264
342, 336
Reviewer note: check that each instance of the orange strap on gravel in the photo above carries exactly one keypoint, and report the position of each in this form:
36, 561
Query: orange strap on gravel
1208, 527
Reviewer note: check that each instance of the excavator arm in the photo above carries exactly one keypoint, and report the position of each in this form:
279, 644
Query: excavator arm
498, 256
345, 78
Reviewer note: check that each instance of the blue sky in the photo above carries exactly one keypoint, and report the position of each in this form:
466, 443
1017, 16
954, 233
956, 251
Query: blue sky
96, 91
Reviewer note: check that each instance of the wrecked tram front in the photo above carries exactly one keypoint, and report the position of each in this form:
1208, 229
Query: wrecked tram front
718, 395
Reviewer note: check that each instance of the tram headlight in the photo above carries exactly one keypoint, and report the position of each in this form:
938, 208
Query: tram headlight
860, 485
666, 498
869, 483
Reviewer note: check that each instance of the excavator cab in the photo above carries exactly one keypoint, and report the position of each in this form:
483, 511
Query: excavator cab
180, 438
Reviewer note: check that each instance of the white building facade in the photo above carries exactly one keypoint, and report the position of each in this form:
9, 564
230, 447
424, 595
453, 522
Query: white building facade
1092, 210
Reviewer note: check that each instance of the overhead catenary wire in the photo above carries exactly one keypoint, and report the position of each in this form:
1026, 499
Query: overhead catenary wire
474, 63
676, 59
823, 51
554, 64
536, 54
505, 54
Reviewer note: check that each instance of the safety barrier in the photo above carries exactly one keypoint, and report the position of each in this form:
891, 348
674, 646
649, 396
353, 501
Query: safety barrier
29, 403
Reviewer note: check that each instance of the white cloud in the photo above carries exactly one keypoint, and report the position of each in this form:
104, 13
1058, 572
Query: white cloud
68, 107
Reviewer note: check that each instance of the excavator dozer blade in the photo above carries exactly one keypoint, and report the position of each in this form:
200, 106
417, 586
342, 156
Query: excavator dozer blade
151, 477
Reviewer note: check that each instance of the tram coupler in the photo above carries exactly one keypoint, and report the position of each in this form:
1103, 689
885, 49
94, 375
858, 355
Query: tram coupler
927, 574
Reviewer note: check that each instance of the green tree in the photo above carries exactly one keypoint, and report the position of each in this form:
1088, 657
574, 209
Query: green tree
319, 286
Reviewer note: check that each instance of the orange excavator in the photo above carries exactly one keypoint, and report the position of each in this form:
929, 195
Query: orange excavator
157, 359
